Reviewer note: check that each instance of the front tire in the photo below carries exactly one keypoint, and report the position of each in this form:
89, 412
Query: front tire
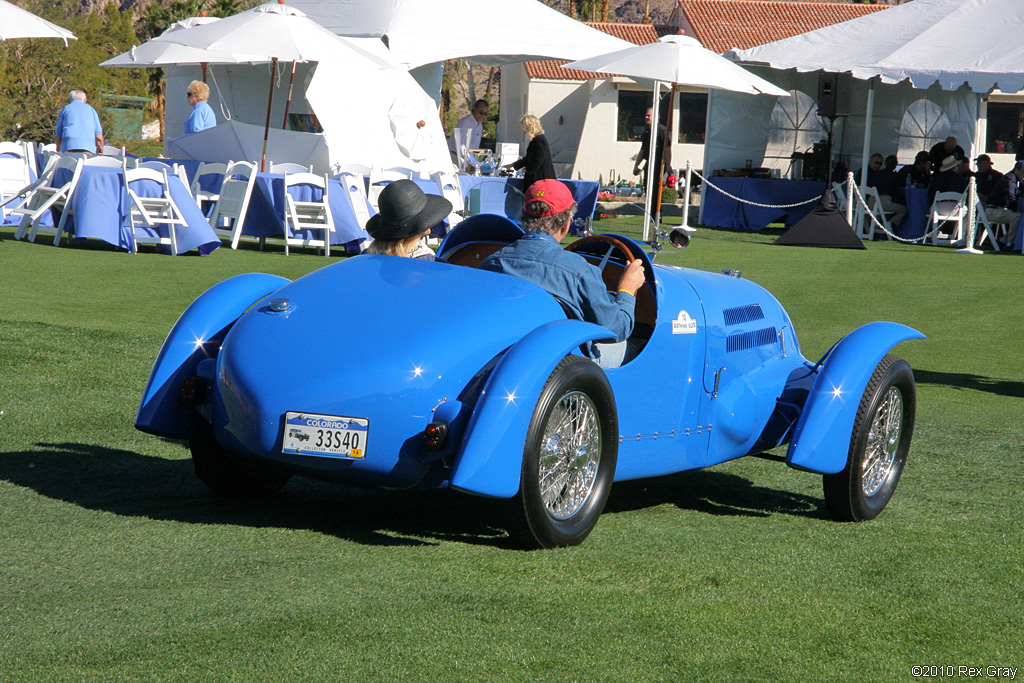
569, 459
878, 445
228, 478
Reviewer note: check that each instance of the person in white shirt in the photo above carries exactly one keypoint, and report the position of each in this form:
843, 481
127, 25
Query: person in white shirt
474, 121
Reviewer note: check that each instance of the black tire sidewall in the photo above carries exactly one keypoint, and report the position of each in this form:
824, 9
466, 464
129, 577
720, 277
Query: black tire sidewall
899, 375
574, 373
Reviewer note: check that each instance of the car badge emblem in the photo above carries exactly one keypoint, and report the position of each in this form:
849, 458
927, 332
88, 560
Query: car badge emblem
684, 324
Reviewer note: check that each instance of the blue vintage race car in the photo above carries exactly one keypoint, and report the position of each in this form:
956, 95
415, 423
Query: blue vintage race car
400, 373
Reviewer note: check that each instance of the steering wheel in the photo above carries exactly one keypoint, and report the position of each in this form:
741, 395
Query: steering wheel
607, 239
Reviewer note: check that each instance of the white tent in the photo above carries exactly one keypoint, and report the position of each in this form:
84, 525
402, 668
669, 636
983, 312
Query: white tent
489, 32
948, 42
345, 91
947, 50
354, 108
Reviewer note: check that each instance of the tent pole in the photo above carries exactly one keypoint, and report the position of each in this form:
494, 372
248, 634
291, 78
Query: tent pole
652, 146
866, 152
203, 64
266, 126
288, 102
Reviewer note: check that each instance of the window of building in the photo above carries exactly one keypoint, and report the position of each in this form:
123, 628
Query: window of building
1005, 125
633, 104
693, 117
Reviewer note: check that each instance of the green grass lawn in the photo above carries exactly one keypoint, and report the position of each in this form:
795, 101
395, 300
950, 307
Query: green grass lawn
116, 564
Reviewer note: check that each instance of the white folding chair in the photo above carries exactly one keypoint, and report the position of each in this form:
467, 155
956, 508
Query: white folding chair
354, 169
408, 172
146, 214
111, 151
356, 195
379, 179
15, 175
233, 201
286, 167
948, 207
45, 194
206, 169
448, 184
986, 229
307, 216
108, 162
866, 226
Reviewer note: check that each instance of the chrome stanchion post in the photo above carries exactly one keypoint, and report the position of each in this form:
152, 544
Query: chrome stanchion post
686, 196
849, 200
972, 219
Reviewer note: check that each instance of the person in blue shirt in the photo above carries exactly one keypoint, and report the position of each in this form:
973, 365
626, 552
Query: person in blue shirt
202, 116
78, 126
548, 209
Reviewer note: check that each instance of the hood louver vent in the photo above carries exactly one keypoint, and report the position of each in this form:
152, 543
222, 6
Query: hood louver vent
742, 314
748, 340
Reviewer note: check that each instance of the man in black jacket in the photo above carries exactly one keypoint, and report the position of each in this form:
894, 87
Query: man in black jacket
645, 154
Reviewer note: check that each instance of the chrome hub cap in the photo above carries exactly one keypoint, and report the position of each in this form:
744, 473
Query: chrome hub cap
883, 442
569, 456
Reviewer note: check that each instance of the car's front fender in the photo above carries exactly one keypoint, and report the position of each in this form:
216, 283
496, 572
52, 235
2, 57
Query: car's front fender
196, 336
490, 457
821, 440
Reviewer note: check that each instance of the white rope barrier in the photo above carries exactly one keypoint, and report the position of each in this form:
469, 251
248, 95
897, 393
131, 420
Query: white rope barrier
860, 198
747, 201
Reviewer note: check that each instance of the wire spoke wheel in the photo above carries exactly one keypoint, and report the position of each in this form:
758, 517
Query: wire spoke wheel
568, 459
570, 454
883, 441
879, 445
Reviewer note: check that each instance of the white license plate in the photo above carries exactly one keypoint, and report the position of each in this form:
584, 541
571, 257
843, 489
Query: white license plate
331, 435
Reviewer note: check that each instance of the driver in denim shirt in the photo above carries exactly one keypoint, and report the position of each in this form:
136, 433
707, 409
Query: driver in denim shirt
547, 215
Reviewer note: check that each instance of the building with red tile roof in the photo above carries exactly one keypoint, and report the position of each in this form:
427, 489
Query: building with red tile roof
591, 123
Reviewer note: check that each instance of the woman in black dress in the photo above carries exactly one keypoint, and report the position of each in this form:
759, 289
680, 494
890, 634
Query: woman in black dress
537, 162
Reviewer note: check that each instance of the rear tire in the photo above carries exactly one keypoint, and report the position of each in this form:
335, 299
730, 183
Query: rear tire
569, 458
228, 478
878, 445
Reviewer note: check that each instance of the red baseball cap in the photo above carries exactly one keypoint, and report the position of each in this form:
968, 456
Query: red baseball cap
554, 193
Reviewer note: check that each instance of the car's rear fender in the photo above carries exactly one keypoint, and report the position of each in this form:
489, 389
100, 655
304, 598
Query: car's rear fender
196, 336
489, 459
821, 439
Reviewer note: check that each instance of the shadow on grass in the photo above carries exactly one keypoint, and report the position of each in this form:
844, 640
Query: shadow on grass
959, 380
133, 485
713, 493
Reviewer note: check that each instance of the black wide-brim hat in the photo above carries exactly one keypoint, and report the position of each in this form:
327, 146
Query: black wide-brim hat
405, 210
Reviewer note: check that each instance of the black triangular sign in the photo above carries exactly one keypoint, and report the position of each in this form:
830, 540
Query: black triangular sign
824, 227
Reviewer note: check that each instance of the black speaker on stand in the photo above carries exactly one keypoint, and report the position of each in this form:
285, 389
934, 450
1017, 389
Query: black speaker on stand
835, 90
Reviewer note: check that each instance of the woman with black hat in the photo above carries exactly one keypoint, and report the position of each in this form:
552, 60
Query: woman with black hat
406, 215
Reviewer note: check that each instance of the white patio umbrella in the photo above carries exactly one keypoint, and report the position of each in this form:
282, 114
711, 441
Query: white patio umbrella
676, 60
276, 32
160, 52
18, 23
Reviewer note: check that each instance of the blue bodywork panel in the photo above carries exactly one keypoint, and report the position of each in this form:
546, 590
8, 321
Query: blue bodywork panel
821, 440
401, 343
196, 336
489, 462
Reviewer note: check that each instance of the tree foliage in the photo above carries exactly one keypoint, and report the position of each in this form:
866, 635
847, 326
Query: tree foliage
37, 74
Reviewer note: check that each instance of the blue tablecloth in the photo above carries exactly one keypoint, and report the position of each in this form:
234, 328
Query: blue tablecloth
265, 216
100, 205
915, 225
721, 211
504, 196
